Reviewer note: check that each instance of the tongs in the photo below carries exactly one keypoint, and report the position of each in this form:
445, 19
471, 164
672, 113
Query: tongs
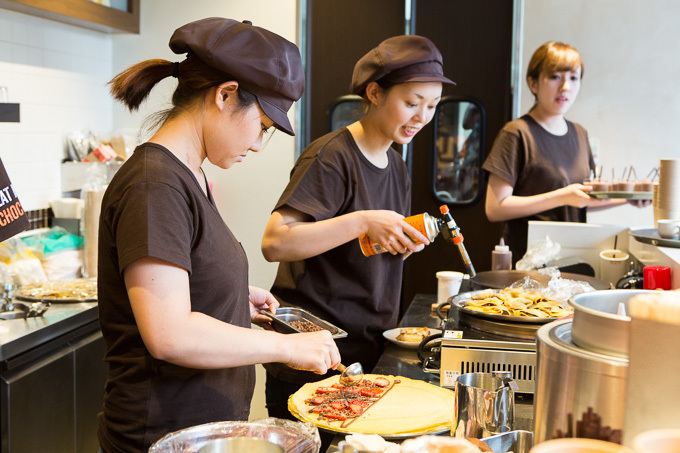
37, 309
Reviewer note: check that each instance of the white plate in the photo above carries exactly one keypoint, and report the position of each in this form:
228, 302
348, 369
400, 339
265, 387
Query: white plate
392, 335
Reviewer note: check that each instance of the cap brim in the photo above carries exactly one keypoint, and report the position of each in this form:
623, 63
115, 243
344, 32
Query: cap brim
423, 78
278, 116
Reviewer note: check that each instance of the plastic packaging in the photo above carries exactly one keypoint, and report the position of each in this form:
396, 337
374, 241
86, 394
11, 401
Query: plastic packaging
501, 257
294, 437
539, 253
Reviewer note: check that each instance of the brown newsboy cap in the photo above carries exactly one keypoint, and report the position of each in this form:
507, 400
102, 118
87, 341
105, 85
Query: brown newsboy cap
263, 62
400, 59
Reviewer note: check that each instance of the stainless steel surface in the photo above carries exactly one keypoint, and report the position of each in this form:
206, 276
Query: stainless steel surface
20, 335
285, 315
352, 374
240, 445
484, 406
503, 279
596, 326
518, 441
574, 386
651, 236
458, 303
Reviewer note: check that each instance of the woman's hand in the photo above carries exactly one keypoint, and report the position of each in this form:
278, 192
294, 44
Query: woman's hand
389, 229
313, 351
261, 299
576, 195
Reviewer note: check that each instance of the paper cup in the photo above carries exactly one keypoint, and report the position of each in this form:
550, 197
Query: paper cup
448, 284
613, 265
657, 441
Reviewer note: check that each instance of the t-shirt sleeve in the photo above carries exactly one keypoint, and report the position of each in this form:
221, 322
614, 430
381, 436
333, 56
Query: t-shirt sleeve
153, 220
317, 187
506, 157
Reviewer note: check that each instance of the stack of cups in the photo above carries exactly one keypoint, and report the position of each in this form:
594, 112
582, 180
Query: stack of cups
667, 200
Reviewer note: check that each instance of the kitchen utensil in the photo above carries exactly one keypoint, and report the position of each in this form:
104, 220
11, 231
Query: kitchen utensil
597, 326
484, 405
291, 435
651, 236
578, 392
351, 375
241, 444
285, 319
518, 441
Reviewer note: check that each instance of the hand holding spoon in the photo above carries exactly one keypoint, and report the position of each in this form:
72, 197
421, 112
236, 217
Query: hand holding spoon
352, 374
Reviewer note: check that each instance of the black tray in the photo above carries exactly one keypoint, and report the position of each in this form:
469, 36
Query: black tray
284, 315
651, 236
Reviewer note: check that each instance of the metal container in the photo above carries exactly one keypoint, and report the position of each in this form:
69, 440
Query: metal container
240, 445
579, 393
517, 441
484, 405
281, 321
597, 325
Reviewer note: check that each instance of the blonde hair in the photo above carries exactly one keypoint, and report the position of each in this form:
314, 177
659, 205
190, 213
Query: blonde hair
554, 56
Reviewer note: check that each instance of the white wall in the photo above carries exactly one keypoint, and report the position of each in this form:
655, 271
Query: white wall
57, 73
629, 101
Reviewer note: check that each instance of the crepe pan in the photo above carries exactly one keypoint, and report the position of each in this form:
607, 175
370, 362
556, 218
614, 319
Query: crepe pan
503, 279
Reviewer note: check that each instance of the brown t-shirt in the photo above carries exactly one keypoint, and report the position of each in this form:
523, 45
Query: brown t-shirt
356, 293
534, 161
154, 207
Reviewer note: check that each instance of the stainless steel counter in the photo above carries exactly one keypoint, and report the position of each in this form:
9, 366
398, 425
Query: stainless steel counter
20, 335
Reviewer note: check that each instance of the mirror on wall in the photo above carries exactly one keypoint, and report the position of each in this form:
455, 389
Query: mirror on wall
459, 129
345, 111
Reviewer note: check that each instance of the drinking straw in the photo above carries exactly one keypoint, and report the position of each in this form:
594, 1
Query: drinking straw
650, 173
634, 173
623, 175
599, 174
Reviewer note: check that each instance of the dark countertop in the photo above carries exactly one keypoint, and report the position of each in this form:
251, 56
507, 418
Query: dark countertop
399, 361
20, 335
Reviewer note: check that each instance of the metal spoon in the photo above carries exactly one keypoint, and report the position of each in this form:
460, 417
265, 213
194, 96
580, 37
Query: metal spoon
351, 375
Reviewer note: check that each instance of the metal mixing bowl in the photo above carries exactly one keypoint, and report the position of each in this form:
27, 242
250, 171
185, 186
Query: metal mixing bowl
597, 327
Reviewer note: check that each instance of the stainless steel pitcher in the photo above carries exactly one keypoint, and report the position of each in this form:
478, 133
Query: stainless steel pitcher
484, 404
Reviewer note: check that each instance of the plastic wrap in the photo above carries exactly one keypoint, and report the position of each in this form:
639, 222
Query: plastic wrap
539, 253
559, 289
294, 437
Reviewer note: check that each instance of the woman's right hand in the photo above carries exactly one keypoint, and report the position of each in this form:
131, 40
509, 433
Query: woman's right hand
389, 229
577, 195
312, 351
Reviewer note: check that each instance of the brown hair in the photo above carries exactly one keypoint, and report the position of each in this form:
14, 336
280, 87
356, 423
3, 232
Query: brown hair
133, 85
554, 56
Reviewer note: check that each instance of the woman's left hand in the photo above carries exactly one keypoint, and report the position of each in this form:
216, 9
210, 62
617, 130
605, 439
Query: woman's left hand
261, 299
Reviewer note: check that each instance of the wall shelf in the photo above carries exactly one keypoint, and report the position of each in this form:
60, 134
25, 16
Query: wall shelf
9, 113
82, 13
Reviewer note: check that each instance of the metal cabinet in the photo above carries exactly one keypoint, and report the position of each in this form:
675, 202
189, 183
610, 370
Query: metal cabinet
50, 396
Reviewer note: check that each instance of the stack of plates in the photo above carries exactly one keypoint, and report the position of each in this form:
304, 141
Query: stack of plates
667, 195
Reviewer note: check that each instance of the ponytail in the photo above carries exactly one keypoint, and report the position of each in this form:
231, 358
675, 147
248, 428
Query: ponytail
195, 78
132, 86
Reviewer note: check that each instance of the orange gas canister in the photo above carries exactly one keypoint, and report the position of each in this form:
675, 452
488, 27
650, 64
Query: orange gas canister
424, 223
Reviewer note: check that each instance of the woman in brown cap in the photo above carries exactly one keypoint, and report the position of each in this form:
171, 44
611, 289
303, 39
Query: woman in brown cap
174, 302
348, 183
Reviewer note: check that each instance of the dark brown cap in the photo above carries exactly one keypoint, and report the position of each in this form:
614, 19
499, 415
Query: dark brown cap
400, 59
263, 62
